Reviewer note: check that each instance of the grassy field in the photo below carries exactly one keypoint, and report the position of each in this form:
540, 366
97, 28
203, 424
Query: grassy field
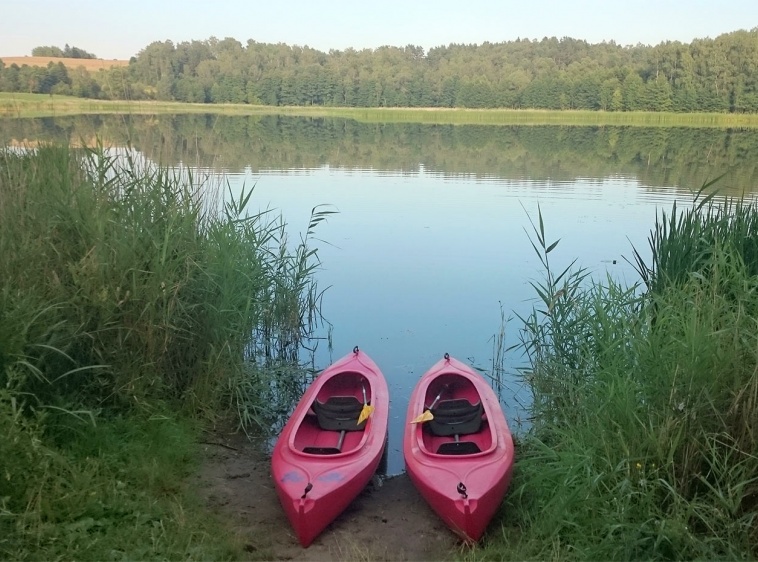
89, 64
116, 490
40, 105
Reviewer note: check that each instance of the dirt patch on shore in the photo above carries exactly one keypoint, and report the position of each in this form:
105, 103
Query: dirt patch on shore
389, 520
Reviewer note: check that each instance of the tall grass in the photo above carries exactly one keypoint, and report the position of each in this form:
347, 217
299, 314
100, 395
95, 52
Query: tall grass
127, 289
120, 282
644, 439
685, 240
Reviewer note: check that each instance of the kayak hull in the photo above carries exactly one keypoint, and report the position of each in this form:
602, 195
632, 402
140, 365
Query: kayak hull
317, 472
462, 477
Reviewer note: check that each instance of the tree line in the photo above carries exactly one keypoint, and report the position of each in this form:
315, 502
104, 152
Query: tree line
66, 52
706, 75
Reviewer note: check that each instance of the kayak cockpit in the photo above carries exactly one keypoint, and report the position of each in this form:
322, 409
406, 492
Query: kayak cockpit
331, 425
459, 424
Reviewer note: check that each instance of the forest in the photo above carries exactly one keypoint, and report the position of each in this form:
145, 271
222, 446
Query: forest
706, 75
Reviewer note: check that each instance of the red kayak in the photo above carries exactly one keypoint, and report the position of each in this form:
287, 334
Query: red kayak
329, 450
457, 446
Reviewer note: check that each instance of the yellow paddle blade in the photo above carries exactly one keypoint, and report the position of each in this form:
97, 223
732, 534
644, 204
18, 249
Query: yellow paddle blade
425, 417
365, 413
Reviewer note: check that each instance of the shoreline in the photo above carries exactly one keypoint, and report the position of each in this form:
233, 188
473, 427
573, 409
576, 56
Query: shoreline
15, 105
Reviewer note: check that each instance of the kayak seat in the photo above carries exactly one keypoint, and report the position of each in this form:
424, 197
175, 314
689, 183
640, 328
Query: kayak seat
456, 417
339, 413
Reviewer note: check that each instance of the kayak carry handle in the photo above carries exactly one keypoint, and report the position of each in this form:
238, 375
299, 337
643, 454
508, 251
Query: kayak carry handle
308, 488
462, 490
447, 357
355, 350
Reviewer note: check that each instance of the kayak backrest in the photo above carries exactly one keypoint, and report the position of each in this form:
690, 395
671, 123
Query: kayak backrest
456, 417
339, 413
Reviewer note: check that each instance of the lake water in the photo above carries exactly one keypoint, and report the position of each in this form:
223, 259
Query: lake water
429, 241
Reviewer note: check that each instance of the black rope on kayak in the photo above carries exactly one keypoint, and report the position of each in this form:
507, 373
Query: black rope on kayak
308, 488
355, 349
447, 357
462, 490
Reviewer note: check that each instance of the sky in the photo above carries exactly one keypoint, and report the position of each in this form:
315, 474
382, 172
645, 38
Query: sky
121, 29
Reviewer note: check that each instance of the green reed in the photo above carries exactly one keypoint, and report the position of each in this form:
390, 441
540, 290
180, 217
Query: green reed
687, 240
644, 422
128, 289
141, 281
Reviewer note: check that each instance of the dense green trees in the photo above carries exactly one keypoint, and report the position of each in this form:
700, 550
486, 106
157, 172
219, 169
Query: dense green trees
66, 52
718, 74
53, 79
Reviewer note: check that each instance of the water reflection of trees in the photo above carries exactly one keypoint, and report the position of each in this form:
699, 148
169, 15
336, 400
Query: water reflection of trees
684, 157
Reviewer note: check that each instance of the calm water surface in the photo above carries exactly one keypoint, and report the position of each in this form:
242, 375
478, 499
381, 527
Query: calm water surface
419, 264
429, 240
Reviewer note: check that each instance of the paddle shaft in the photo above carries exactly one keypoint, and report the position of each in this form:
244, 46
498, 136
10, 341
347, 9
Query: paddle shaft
434, 402
342, 438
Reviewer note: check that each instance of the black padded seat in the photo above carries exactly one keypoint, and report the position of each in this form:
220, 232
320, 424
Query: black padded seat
456, 417
339, 413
